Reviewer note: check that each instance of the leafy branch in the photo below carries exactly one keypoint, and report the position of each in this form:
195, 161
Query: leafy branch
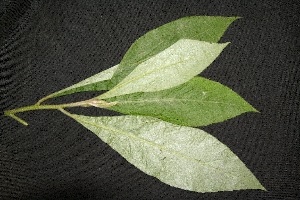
157, 86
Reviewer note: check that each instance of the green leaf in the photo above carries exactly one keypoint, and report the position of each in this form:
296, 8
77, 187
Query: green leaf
203, 28
183, 157
97, 82
177, 64
198, 102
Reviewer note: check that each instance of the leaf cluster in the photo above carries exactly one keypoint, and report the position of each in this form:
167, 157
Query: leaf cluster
158, 88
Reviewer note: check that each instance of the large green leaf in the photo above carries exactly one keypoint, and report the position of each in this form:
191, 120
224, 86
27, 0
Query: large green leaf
203, 28
175, 65
182, 157
198, 102
97, 82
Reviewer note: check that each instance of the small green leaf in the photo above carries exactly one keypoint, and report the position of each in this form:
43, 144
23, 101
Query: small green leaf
177, 64
97, 82
203, 28
198, 102
183, 157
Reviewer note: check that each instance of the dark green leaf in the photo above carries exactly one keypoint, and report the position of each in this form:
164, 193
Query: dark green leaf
198, 102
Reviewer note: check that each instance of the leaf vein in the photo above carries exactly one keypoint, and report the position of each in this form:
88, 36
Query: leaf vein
156, 145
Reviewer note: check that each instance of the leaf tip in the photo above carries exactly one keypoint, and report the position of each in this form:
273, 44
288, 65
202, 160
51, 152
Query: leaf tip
249, 108
264, 189
238, 17
233, 18
261, 187
224, 45
253, 109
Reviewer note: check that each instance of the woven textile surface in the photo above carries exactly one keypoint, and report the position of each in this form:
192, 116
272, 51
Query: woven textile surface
48, 45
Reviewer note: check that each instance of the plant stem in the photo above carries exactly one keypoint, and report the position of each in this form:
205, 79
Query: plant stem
18, 119
43, 99
86, 103
44, 107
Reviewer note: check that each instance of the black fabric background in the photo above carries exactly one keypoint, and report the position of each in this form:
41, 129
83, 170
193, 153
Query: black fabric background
48, 45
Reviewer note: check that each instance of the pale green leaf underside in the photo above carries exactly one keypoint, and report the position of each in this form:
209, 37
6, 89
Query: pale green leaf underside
183, 157
97, 82
198, 102
202, 28
169, 68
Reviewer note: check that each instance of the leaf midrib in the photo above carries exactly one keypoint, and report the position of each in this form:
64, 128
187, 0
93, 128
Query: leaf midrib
171, 100
145, 74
